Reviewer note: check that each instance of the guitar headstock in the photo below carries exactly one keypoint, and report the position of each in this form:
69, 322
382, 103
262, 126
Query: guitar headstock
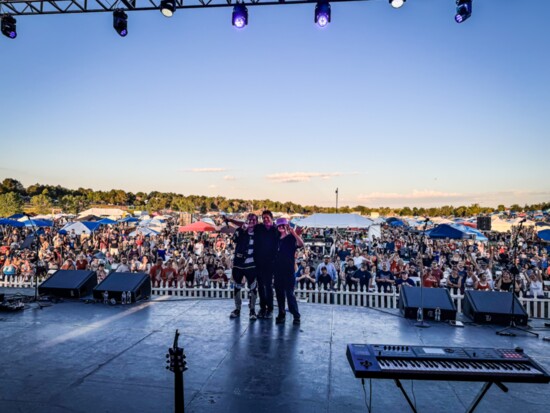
176, 357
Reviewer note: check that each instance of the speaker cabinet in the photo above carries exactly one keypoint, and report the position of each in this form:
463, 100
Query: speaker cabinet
139, 285
410, 299
69, 284
493, 307
484, 223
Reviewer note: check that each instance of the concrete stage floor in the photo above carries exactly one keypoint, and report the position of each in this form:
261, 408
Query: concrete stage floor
77, 357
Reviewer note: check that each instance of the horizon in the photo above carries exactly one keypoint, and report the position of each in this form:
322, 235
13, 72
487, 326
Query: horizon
395, 108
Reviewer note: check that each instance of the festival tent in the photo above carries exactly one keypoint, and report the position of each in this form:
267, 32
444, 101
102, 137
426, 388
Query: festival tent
500, 225
11, 223
128, 219
209, 221
104, 212
544, 235
80, 227
452, 231
197, 227
374, 232
476, 234
106, 221
39, 223
143, 231
335, 221
17, 216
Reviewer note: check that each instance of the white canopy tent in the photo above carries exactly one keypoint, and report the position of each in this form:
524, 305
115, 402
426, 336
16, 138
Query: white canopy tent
335, 221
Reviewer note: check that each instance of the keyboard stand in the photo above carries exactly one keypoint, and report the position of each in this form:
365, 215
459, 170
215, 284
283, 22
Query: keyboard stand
474, 404
482, 393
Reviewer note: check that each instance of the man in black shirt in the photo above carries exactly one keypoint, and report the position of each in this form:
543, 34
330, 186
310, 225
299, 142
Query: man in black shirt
349, 271
362, 277
267, 238
244, 265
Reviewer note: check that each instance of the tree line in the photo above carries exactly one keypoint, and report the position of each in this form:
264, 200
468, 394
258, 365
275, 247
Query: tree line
42, 199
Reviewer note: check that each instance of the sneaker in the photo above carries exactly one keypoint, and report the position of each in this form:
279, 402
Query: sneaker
235, 313
262, 314
253, 316
269, 314
296, 321
280, 319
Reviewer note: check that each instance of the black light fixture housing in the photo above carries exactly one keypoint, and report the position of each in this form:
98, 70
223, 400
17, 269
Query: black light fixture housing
463, 10
9, 26
168, 7
120, 22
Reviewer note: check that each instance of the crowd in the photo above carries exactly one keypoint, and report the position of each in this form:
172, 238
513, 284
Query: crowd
343, 259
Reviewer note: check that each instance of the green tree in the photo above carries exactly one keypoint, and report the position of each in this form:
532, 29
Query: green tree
73, 204
41, 204
12, 185
10, 203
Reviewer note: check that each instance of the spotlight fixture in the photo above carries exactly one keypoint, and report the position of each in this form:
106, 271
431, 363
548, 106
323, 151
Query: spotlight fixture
168, 7
396, 4
322, 13
9, 26
239, 18
463, 10
120, 22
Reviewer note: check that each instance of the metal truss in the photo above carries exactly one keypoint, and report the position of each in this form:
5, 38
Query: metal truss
30, 7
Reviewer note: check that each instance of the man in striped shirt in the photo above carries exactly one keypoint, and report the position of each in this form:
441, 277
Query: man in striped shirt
244, 266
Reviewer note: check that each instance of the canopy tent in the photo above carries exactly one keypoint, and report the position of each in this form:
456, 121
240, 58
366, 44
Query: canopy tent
17, 216
374, 232
335, 221
104, 212
145, 231
228, 229
209, 221
197, 227
38, 223
11, 223
88, 218
544, 235
106, 221
128, 219
84, 227
455, 231
468, 224
500, 225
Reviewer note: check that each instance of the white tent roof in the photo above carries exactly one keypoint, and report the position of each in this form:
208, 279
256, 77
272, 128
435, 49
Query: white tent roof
335, 221
104, 212
78, 227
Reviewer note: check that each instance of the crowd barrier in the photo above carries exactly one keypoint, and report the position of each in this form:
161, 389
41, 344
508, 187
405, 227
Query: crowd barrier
345, 296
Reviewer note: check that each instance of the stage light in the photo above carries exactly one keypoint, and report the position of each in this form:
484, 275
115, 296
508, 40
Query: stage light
239, 18
322, 14
396, 4
120, 22
463, 10
168, 7
9, 26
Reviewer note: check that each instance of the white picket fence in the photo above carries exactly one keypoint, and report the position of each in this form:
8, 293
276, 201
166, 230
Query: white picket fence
535, 307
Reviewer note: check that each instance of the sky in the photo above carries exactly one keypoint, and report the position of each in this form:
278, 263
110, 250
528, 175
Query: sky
392, 107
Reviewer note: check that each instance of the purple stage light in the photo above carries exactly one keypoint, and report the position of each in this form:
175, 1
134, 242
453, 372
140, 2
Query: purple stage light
322, 14
463, 10
120, 22
239, 18
9, 26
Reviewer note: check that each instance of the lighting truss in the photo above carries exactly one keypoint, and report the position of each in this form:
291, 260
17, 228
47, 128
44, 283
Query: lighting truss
30, 7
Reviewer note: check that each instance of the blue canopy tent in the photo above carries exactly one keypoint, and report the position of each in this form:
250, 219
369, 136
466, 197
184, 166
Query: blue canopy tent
128, 219
544, 235
38, 223
86, 227
16, 216
448, 231
11, 223
106, 221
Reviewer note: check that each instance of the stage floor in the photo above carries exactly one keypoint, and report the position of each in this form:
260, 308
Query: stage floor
77, 357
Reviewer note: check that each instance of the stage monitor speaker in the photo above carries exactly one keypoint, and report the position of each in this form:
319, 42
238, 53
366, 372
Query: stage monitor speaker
493, 307
484, 223
139, 285
433, 298
69, 284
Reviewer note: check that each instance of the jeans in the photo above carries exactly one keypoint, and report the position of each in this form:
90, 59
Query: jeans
284, 288
265, 285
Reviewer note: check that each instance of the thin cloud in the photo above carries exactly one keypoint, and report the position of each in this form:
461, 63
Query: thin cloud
293, 177
229, 178
206, 170
212, 186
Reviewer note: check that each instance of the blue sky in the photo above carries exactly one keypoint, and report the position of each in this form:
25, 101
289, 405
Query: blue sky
394, 107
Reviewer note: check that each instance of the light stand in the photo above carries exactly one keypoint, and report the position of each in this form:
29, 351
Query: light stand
515, 272
420, 321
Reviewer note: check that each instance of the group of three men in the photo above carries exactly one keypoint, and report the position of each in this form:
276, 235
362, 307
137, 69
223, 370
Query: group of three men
264, 252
